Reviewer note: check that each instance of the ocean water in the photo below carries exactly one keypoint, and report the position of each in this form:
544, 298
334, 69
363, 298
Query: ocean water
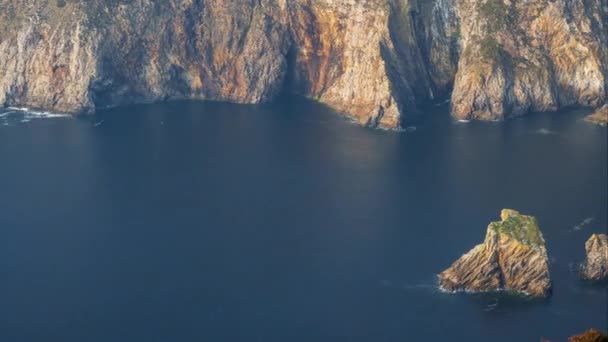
217, 222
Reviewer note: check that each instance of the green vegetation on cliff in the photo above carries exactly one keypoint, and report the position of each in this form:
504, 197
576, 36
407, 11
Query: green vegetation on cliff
495, 13
522, 228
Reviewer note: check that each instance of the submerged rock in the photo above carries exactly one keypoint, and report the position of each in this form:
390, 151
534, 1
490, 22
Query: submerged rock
599, 116
512, 257
596, 265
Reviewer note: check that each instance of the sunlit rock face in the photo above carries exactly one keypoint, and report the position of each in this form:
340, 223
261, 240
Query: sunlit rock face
521, 56
374, 60
88, 54
599, 116
596, 263
513, 257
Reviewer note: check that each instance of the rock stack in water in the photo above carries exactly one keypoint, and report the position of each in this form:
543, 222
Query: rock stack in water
596, 265
590, 335
512, 257
599, 116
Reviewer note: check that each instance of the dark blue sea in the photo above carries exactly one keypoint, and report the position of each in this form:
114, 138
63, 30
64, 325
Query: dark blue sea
191, 221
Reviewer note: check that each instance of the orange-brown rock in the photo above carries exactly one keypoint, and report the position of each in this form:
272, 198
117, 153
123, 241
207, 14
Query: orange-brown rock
513, 257
375, 60
590, 335
538, 55
365, 58
596, 263
599, 116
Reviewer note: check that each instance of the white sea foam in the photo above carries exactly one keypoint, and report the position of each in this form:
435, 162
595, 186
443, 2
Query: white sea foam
545, 131
491, 307
463, 121
583, 223
16, 115
44, 115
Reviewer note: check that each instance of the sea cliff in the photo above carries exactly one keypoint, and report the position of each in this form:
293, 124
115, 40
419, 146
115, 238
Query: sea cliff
375, 60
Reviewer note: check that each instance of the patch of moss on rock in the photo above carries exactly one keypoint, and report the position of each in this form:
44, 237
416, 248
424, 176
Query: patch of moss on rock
522, 228
496, 14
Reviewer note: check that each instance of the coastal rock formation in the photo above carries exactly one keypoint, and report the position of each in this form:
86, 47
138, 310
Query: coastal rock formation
366, 58
512, 257
599, 116
537, 55
75, 56
596, 265
591, 335
375, 60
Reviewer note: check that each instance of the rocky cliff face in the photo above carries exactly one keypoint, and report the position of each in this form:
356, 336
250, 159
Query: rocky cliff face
534, 55
596, 265
591, 335
375, 60
512, 257
78, 55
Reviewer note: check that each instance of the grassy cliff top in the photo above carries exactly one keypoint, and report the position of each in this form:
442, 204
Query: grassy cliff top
522, 228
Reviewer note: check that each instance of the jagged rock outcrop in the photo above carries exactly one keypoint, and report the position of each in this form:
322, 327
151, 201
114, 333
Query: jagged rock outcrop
536, 55
375, 60
599, 116
512, 257
591, 335
596, 264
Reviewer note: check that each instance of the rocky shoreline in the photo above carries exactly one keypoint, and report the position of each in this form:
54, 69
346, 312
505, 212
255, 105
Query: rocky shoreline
374, 60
